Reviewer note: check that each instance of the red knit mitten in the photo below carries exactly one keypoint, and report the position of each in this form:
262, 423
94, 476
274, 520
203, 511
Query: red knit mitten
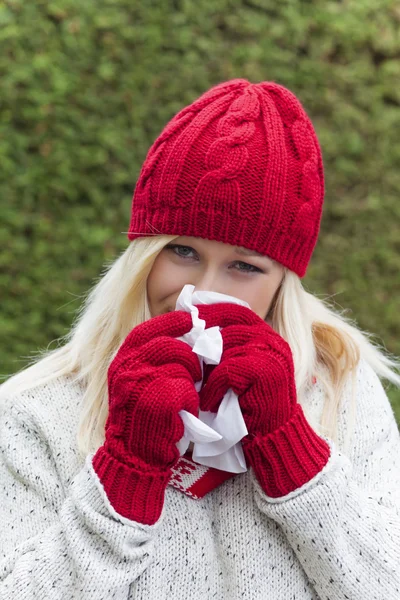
256, 363
150, 380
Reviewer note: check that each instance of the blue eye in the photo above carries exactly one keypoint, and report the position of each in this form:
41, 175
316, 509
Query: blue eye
178, 247
250, 269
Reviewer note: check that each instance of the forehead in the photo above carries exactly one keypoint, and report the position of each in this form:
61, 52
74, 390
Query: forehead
247, 251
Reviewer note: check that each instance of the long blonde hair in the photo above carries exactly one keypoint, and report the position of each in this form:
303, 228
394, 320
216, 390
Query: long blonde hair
324, 342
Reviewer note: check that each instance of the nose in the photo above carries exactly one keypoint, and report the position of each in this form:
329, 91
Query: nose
208, 282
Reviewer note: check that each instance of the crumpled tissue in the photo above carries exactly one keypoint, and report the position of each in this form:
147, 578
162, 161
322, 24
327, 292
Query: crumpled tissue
216, 436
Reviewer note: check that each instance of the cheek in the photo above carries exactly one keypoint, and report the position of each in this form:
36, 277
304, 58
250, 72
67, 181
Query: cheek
155, 281
260, 303
260, 296
162, 281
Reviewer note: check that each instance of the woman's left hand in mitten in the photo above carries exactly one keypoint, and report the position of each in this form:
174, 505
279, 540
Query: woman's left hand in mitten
257, 364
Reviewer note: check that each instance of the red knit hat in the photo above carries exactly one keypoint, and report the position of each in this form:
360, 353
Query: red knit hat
240, 165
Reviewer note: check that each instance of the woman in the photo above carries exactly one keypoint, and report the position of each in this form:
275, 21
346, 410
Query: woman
96, 501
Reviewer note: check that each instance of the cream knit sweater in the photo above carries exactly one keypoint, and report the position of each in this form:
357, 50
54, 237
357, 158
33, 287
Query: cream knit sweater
336, 538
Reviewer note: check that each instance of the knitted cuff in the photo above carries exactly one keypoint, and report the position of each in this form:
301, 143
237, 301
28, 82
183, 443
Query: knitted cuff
289, 457
134, 494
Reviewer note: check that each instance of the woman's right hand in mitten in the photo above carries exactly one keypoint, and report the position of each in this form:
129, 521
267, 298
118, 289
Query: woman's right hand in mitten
150, 380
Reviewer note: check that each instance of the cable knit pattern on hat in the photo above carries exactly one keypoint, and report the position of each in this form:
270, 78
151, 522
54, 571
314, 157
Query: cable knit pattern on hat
241, 165
337, 538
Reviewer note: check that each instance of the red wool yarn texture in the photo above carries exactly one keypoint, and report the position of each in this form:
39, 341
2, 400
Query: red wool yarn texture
241, 165
150, 380
281, 447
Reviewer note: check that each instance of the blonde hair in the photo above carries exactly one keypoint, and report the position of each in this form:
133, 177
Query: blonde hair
325, 343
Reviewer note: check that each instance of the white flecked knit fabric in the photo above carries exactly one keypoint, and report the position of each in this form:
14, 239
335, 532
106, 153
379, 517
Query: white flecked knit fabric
337, 538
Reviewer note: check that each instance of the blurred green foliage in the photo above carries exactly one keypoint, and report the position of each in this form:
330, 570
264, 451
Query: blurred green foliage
87, 86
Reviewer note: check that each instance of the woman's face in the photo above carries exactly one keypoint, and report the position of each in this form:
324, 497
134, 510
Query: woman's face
212, 266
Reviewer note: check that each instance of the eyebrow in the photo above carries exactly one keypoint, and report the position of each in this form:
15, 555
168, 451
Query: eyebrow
247, 252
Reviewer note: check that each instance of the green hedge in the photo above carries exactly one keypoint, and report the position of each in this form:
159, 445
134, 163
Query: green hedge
85, 89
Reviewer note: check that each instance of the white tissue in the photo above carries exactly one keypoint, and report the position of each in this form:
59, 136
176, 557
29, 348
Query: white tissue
216, 436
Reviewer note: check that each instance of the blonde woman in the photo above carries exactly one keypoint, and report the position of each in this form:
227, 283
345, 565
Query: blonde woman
96, 501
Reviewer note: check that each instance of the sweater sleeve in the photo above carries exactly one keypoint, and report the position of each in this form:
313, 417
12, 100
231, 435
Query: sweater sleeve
344, 525
58, 543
